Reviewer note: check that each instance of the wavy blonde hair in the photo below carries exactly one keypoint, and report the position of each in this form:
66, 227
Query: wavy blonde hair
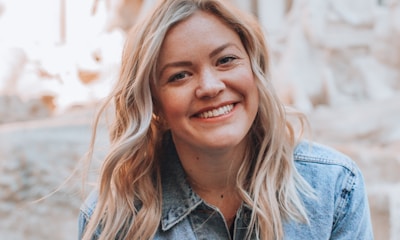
129, 203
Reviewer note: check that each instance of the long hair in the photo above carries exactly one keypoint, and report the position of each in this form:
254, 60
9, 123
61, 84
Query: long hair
129, 203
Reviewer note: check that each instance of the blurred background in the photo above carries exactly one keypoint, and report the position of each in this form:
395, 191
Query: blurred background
337, 61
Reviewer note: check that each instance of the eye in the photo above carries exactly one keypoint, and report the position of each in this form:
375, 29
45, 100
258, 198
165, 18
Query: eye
178, 76
226, 60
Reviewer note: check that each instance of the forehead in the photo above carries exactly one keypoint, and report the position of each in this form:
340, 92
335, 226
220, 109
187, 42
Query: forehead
199, 30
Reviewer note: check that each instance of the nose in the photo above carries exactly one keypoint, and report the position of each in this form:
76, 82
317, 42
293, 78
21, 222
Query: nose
210, 85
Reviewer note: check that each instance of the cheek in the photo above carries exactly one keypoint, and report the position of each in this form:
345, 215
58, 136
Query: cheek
173, 105
249, 86
247, 82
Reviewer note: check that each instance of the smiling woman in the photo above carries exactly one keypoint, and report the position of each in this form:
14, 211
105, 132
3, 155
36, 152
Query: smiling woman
200, 144
206, 91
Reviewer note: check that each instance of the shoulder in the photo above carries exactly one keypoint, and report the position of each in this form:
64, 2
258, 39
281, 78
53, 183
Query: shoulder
313, 153
86, 211
340, 209
334, 176
89, 204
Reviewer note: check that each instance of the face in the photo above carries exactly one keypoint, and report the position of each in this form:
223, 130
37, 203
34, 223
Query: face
206, 90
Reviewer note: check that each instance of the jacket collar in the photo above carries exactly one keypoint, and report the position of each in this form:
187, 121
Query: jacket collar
178, 198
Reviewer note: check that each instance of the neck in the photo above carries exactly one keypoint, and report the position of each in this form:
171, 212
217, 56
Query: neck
212, 172
212, 175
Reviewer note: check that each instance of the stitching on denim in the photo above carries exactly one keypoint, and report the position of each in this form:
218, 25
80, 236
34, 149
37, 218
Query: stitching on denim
344, 196
324, 160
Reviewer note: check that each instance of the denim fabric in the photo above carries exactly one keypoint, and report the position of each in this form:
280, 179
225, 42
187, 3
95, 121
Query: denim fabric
340, 212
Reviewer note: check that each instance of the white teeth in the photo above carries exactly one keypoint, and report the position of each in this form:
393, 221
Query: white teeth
217, 112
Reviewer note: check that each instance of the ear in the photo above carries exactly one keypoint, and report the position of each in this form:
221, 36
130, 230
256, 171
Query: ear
158, 116
158, 113
160, 122
156, 106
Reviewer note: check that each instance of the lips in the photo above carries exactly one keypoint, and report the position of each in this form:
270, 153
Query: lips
223, 110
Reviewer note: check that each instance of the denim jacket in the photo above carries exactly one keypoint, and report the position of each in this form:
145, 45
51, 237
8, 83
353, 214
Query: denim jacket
340, 212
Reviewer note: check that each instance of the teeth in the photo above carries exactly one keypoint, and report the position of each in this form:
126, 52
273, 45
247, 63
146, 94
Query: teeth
217, 112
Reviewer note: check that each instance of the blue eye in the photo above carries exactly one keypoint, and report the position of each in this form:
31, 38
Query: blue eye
178, 76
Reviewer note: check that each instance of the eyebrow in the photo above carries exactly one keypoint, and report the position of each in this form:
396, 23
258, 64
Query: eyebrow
220, 49
175, 64
188, 63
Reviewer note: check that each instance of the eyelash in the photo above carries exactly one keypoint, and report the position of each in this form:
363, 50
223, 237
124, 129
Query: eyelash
177, 77
230, 58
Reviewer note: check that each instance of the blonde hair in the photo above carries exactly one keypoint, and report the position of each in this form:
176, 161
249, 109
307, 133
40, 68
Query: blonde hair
129, 203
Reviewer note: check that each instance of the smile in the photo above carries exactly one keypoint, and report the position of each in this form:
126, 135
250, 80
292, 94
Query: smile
216, 112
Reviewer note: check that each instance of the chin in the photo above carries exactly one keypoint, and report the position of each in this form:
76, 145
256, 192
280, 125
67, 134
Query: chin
225, 142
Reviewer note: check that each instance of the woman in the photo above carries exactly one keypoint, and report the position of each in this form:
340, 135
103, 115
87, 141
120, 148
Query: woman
201, 147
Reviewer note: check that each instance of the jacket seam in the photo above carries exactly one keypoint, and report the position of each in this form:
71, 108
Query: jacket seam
344, 196
322, 160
